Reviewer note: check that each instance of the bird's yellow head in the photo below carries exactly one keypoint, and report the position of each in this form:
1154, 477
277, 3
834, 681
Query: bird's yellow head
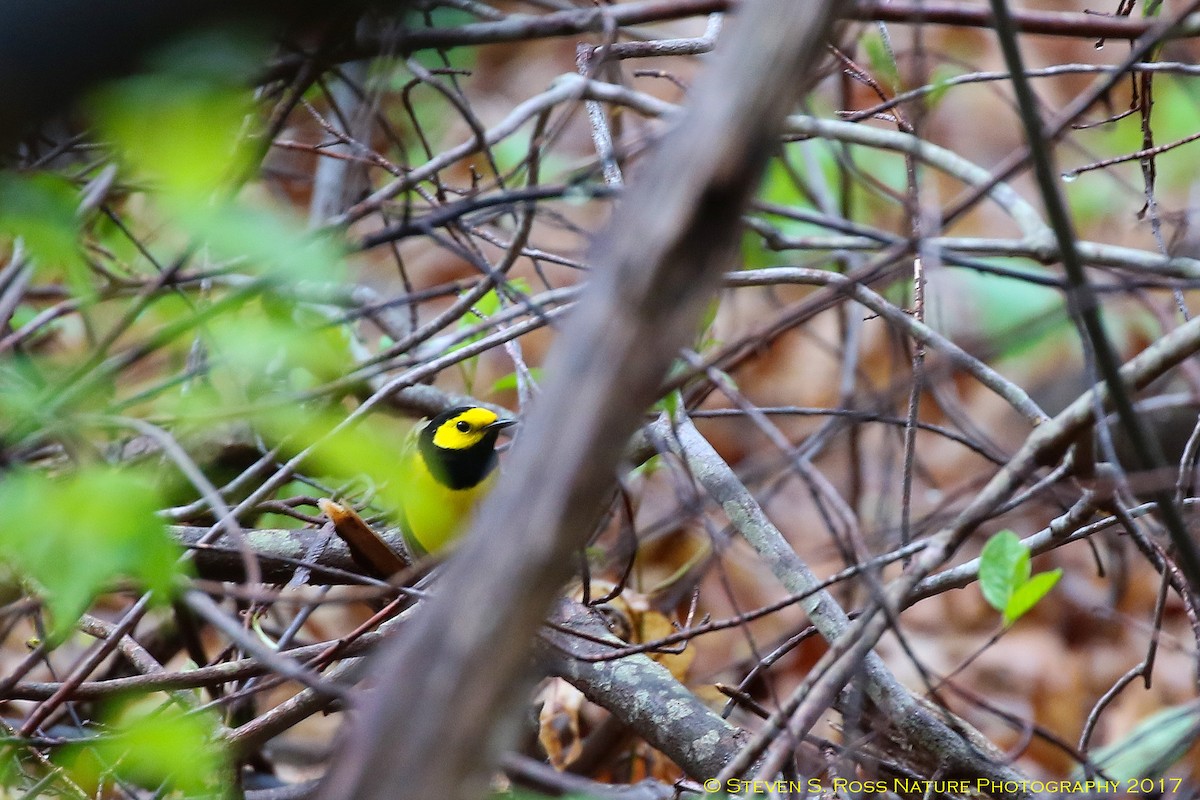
463, 428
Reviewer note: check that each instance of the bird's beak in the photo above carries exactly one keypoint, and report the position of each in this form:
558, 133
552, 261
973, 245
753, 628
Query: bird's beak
500, 424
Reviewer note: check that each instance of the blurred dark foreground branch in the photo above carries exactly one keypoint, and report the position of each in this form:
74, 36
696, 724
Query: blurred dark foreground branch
441, 708
52, 52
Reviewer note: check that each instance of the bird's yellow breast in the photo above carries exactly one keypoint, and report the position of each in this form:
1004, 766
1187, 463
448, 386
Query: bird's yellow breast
433, 514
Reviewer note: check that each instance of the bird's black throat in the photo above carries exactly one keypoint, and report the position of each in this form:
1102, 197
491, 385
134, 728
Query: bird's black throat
459, 469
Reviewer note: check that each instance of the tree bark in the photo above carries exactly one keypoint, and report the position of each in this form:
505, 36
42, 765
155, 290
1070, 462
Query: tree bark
442, 705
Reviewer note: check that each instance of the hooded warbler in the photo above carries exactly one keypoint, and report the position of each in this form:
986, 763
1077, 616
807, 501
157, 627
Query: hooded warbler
449, 467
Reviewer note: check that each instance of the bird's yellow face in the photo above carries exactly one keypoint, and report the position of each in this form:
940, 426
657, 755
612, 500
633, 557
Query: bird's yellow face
464, 430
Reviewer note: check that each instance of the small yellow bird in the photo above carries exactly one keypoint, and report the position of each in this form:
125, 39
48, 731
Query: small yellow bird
448, 468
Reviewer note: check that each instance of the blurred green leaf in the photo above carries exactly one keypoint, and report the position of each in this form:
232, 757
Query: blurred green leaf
20, 390
508, 382
777, 187
705, 339
1026, 595
1011, 315
28, 403
670, 403
647, 467
1150, 749
880, 59
267, 239
274, 344
1003, 566
181, 123
940, 78
490, 304
184, 129
180, 132
485, 307
369, 448
40, 210
169, 748
74, 535
1176, 115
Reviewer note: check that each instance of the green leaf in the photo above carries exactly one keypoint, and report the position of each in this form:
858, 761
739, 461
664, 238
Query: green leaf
779, 187
1003, 566
483, 308
1026, 595
671, 403
647, 468
1156, 744
370, 448
490, 303
279, 344
194, 148
183, 129
73, 536
1004, 577
881, 61
273, 241
167, 747
940, 78
181, 125
509, 381
1013, 315
21, 409
705, 338
40, 209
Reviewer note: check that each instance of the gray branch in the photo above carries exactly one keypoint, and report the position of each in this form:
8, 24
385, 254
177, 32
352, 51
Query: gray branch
461, 667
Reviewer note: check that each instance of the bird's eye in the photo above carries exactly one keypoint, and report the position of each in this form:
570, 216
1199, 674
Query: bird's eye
463, 426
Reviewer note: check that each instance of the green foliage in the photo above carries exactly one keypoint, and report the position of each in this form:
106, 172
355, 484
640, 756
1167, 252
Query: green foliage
513, 151
940, 79
483, 309
488, 305
166, 748
39, 209
1176, 114
195, 122
183, 130
1003, 565
180, 124
444, 17
276, 344
508, 383
20, 407
73, 536
670, 403
1151, 748
272, 241
1005, 579
705, 339
779, 187
882, 64
647, 467
1010, 314
367, 448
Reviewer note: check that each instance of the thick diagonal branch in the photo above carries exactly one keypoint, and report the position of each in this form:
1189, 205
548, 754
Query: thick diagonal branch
442, 706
